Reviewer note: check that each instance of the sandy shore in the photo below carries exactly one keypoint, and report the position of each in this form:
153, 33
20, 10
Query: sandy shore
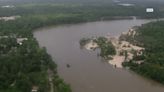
121, 47
117, 61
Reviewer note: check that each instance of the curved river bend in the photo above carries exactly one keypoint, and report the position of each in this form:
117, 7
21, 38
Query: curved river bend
88, 73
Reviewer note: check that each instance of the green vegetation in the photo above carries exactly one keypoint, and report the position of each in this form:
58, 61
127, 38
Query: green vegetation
150, 36
60, 86
24, 66
84, 41
105, 46
87, 12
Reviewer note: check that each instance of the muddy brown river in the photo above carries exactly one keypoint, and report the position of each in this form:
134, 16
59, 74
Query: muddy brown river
87, 72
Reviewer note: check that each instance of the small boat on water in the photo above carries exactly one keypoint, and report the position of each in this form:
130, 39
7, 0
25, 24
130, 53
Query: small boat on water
68, 65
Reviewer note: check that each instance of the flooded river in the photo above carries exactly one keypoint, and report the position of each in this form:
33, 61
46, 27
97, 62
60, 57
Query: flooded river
87, 72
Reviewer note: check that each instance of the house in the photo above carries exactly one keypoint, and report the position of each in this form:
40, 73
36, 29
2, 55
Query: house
9, 18
35, 89
20, 40
126, 4
8, 6
149, 10
4, 37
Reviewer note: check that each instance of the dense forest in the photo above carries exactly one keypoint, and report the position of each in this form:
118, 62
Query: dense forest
92, 11
150, 36
25, 66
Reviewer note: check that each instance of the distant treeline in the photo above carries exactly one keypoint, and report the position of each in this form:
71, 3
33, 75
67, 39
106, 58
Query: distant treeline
25, 66
86, 10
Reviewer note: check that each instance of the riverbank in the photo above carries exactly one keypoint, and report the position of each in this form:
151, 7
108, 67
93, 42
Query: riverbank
26, 63
150, 36
124, 50
95, 74
140, 49
23, 28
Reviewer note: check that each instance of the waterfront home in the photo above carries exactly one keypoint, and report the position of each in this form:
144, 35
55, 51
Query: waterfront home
20, 40
9, 18
8, 6
149, 10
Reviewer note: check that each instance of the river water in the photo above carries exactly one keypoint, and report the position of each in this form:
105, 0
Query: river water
89, 73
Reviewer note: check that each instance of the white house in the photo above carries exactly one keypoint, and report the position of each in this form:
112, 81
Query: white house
126, 4
8, 6
149, 10
20, 40
35, 89
9, 18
